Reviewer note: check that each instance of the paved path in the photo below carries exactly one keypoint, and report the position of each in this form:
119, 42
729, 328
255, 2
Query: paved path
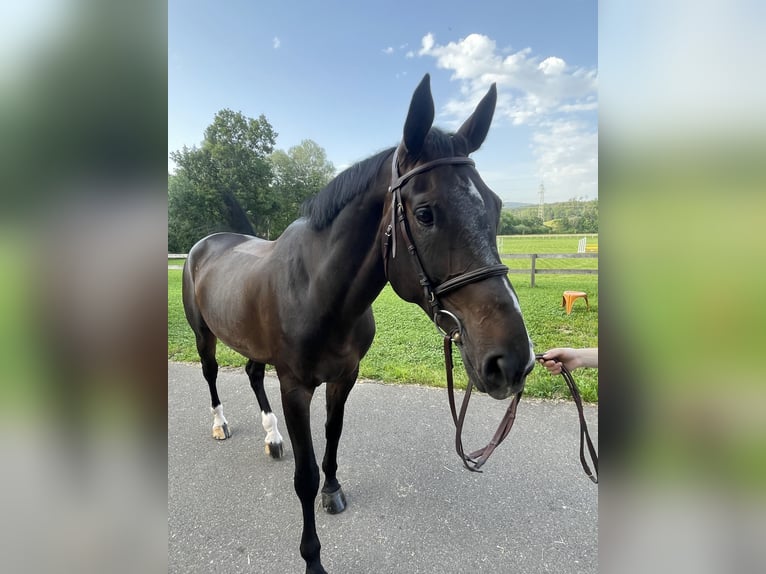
413, 508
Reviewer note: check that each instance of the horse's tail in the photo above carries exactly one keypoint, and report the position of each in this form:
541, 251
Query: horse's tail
237, 216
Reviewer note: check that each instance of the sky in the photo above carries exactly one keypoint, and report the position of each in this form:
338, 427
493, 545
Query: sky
342, 74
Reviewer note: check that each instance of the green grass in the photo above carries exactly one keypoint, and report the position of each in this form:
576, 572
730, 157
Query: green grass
407, 348
542, 243
524, 244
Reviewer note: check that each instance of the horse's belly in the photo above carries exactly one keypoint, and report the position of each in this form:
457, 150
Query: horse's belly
243, 321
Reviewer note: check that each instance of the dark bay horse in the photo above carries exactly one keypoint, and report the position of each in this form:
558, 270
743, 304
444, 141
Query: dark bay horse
417, 216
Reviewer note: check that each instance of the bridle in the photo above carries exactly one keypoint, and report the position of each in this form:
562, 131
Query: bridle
474, 460
432, 293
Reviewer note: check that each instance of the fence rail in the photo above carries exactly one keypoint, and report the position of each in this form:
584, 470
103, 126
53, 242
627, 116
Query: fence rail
533, 270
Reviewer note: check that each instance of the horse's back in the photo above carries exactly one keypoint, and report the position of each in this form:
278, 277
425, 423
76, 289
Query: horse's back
219, 245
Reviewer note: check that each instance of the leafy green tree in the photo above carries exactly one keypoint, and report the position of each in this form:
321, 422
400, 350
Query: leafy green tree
507, 222
299, 173
573, 216
182, 231
224, 185
514, 224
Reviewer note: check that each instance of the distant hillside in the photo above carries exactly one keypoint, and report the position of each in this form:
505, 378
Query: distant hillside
573, 216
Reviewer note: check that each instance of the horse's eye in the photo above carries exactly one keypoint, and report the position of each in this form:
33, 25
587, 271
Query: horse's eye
424, 215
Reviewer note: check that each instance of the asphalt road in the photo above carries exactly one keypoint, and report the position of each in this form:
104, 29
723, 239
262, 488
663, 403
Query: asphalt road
412, 507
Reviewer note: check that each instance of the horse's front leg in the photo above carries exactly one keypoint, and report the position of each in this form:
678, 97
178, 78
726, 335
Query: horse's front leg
333, 499
296, 402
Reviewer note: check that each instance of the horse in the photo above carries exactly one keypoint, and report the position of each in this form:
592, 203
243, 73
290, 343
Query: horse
302, 303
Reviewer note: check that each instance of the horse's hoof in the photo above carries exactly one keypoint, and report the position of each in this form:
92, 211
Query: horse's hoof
316, 569
221, 432
334, 502
274, 449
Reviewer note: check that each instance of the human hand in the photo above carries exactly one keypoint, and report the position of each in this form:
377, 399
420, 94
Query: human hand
571, 358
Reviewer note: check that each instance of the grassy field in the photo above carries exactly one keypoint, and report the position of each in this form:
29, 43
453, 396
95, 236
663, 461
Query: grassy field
521, 244
542, 243
407, 348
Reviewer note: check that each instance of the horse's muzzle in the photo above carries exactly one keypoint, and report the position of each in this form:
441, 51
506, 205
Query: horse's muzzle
504, 375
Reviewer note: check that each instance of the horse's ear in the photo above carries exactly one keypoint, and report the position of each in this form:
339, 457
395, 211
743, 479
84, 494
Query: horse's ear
419, 118
475, 128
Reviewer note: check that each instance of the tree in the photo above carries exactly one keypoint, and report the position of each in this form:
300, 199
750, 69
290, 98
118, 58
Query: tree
507, 222
298, 174
224, 185
235, 181
513, 224
190, 214
576, 215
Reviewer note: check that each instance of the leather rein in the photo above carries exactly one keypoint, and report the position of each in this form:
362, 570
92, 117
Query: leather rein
476, 459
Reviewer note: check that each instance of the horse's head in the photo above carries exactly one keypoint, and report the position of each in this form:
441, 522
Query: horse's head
442, 210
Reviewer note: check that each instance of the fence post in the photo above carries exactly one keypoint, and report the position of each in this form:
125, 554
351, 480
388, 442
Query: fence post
532, 276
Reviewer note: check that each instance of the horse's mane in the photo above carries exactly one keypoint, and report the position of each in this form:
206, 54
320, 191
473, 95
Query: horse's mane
322, 209
325, 206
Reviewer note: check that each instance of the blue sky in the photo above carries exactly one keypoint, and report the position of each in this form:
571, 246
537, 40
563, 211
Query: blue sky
342, 74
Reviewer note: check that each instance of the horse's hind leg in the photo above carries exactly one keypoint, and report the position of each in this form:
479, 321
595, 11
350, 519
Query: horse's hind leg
206, 343
333, 499
255, 371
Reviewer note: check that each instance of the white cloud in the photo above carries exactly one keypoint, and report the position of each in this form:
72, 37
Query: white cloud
552, 66
555, 100
567, 158
538, 86
389, 50
587, 106
427, 43
276, 42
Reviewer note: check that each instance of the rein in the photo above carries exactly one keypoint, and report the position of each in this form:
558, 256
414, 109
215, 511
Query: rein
584, 434
476, 459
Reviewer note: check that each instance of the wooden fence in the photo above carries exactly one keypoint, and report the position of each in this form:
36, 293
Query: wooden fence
176, 256
533, 270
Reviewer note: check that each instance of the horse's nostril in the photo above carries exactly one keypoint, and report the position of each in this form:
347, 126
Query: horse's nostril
503, 370
496, 370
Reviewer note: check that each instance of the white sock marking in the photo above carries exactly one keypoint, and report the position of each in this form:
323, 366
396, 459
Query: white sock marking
218, 419
269, 422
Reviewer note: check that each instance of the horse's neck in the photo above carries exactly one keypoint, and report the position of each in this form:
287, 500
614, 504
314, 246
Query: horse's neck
351, 262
